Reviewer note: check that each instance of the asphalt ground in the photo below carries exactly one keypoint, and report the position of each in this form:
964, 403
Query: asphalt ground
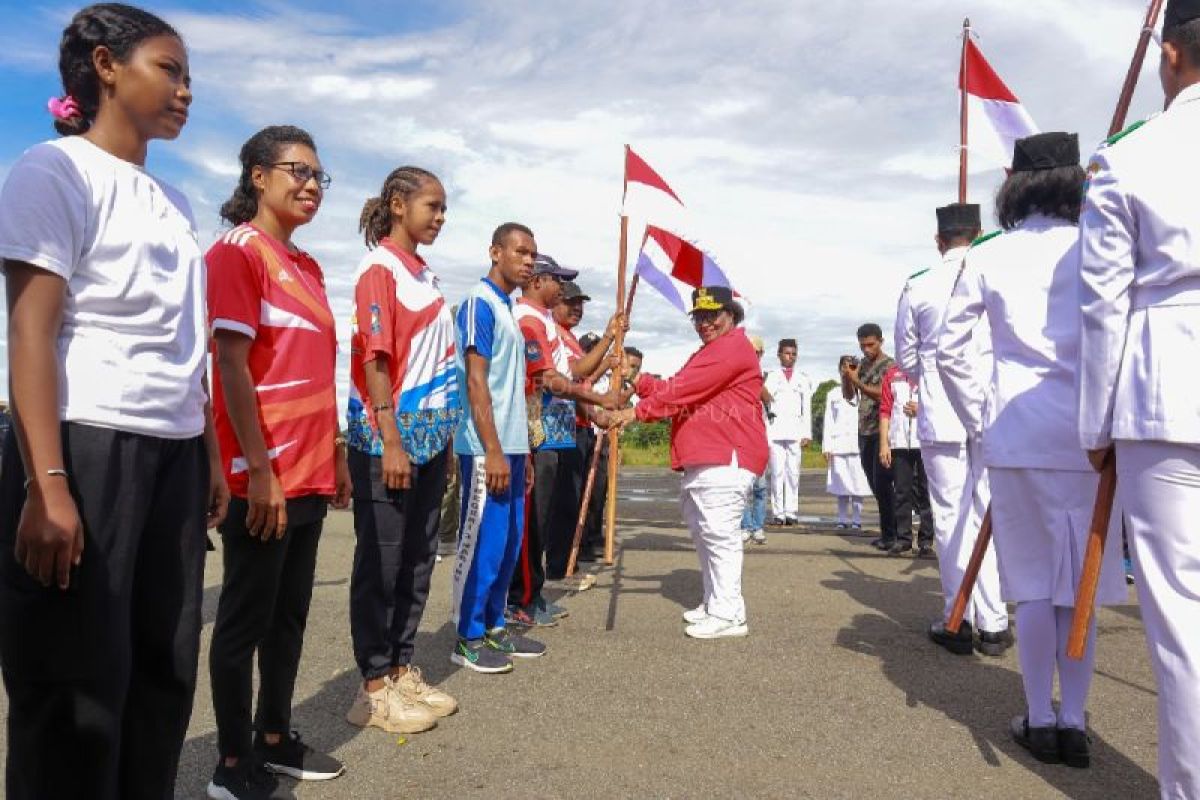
835, 693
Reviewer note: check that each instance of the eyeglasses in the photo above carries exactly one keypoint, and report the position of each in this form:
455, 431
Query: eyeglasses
304, 173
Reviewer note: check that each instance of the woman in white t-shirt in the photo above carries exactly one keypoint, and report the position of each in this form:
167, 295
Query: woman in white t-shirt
844, 477
103, 506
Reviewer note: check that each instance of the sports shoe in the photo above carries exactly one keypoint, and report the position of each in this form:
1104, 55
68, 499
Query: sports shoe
1129, 572
900, 549
518, 615
390, 710
292, 757
745, 535
247, 780
541, 617
841, 526
412, 687
553, 609
925, 551
694, 615
475, 654
716, 628
513, 645
759, 537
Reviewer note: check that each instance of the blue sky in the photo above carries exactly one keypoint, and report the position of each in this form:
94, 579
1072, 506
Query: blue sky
811, 140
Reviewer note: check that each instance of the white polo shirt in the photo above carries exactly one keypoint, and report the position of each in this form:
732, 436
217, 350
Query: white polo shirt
131, 349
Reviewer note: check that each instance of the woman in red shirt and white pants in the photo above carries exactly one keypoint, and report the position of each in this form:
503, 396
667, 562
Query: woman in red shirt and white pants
719, 442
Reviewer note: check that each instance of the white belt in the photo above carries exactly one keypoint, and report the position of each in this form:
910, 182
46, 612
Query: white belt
1183, 292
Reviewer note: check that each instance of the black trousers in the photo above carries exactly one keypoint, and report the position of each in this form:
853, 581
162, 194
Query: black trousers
879, 478
593, 529
100, 677
396, 534
912, 493
264, 603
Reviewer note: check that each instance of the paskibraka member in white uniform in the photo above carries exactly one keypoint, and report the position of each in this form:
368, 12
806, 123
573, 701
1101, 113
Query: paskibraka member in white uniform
958, 488
1140, 268
789, 431
1024, 285
845, 478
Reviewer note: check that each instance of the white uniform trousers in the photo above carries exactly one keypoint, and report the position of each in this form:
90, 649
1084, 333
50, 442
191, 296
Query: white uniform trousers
713, 499
785, 478
1158, 485
958, 497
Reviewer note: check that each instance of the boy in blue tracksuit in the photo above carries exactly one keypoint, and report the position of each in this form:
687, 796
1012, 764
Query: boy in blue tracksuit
492, 445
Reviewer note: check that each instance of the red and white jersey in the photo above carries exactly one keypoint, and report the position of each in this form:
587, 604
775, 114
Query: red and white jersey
545, 349
276, 297
400, 315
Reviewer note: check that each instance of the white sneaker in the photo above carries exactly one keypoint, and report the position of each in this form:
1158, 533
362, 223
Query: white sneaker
716, 628
694, 615
745, 535
759, 537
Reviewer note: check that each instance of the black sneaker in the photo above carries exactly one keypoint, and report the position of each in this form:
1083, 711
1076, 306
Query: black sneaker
248, 780
900, 549
961, 643
994, 644
513, 645
475, 654
292, 757
925, 551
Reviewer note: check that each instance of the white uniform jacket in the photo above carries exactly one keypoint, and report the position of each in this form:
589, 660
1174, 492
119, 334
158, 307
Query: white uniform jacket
1022, 285
1140, 283
839, 435
791, 404
919, 316
902, 429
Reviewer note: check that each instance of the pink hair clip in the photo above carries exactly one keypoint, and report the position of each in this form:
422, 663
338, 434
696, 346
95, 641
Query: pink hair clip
64, 108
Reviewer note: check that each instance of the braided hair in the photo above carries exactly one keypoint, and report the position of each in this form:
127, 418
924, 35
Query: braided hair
375, 222
120, 28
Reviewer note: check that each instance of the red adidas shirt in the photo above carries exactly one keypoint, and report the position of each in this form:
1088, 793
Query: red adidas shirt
258, 288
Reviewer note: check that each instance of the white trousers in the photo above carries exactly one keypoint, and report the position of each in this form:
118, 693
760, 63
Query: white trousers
958, 498
845, 503
713, 499
785, 478
1158, 485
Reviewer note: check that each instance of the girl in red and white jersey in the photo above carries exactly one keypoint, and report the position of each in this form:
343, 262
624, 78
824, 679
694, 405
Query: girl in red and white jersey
275, 348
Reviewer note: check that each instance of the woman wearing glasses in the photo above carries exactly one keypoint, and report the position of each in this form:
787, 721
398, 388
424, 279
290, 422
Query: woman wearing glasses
274, 348
719, 442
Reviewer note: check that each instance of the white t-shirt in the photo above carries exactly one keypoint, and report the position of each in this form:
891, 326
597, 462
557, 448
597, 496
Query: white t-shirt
131, 350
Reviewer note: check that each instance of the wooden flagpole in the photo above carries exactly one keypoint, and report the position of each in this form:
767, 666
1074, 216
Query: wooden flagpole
962, 115
1089, 579
614, 391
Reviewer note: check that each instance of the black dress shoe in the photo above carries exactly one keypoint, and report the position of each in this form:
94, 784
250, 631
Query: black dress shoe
1073, 748
994, 644
958, 643
925, 551
880, 544
900, 548
1042, 743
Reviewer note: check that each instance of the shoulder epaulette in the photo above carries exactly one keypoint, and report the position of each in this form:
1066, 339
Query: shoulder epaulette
986, 237
919, 273
1119, 135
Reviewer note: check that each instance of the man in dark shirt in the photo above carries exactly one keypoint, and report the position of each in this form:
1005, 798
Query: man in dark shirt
867, 378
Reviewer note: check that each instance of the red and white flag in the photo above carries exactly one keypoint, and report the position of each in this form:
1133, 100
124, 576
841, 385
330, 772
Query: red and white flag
662, 238
995, 117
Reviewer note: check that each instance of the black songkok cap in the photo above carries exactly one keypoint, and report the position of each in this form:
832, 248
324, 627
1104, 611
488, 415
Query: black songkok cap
1045, 151
786, 343
958, 217
1180, 12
